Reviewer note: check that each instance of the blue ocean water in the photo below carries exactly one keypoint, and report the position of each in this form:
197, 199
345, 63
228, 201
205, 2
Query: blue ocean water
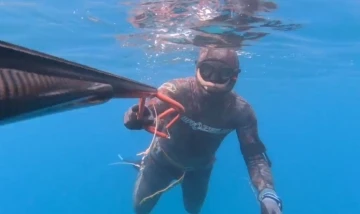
302, 84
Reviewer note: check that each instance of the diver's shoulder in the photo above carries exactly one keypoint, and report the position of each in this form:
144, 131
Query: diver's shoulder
180, 80
184, 80
241, 103
174, 85
181, 83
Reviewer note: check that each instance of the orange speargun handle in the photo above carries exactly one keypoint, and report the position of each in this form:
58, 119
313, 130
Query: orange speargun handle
176, 107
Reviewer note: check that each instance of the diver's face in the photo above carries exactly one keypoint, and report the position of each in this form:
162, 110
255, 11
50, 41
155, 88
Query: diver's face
216, 76
216, 72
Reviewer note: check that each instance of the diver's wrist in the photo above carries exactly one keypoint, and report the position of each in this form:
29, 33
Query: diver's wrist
264, 192
271, 194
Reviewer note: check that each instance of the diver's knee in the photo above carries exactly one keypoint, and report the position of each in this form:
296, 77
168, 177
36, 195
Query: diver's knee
140, 209
192, 209
143, 205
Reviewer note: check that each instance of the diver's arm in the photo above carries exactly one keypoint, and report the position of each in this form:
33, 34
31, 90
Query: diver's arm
154, 106
171, 89
254, 151
257, 162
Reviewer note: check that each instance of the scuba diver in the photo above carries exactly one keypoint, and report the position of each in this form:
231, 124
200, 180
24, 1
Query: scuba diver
187, 155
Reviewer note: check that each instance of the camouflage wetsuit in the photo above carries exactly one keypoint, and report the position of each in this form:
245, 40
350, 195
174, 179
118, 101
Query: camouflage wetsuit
193, 143
189, 153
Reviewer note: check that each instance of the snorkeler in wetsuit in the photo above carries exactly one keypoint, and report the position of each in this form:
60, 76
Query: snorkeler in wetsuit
213, 110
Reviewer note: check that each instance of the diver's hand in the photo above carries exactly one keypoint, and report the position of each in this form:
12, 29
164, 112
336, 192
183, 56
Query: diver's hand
270, 203
270, 206
132, 122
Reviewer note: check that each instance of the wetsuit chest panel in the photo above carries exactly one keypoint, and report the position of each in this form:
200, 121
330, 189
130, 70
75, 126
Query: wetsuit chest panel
211, 123
195, 138
213, 119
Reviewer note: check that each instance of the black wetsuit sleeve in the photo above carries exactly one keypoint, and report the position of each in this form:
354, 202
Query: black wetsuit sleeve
253, 150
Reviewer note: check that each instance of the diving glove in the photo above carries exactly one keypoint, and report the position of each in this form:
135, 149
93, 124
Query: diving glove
132, 122
270, 202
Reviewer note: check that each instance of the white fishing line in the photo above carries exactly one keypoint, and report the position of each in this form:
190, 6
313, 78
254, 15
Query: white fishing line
122, 162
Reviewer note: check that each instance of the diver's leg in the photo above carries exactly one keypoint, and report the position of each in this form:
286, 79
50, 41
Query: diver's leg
152, 178
194, 188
